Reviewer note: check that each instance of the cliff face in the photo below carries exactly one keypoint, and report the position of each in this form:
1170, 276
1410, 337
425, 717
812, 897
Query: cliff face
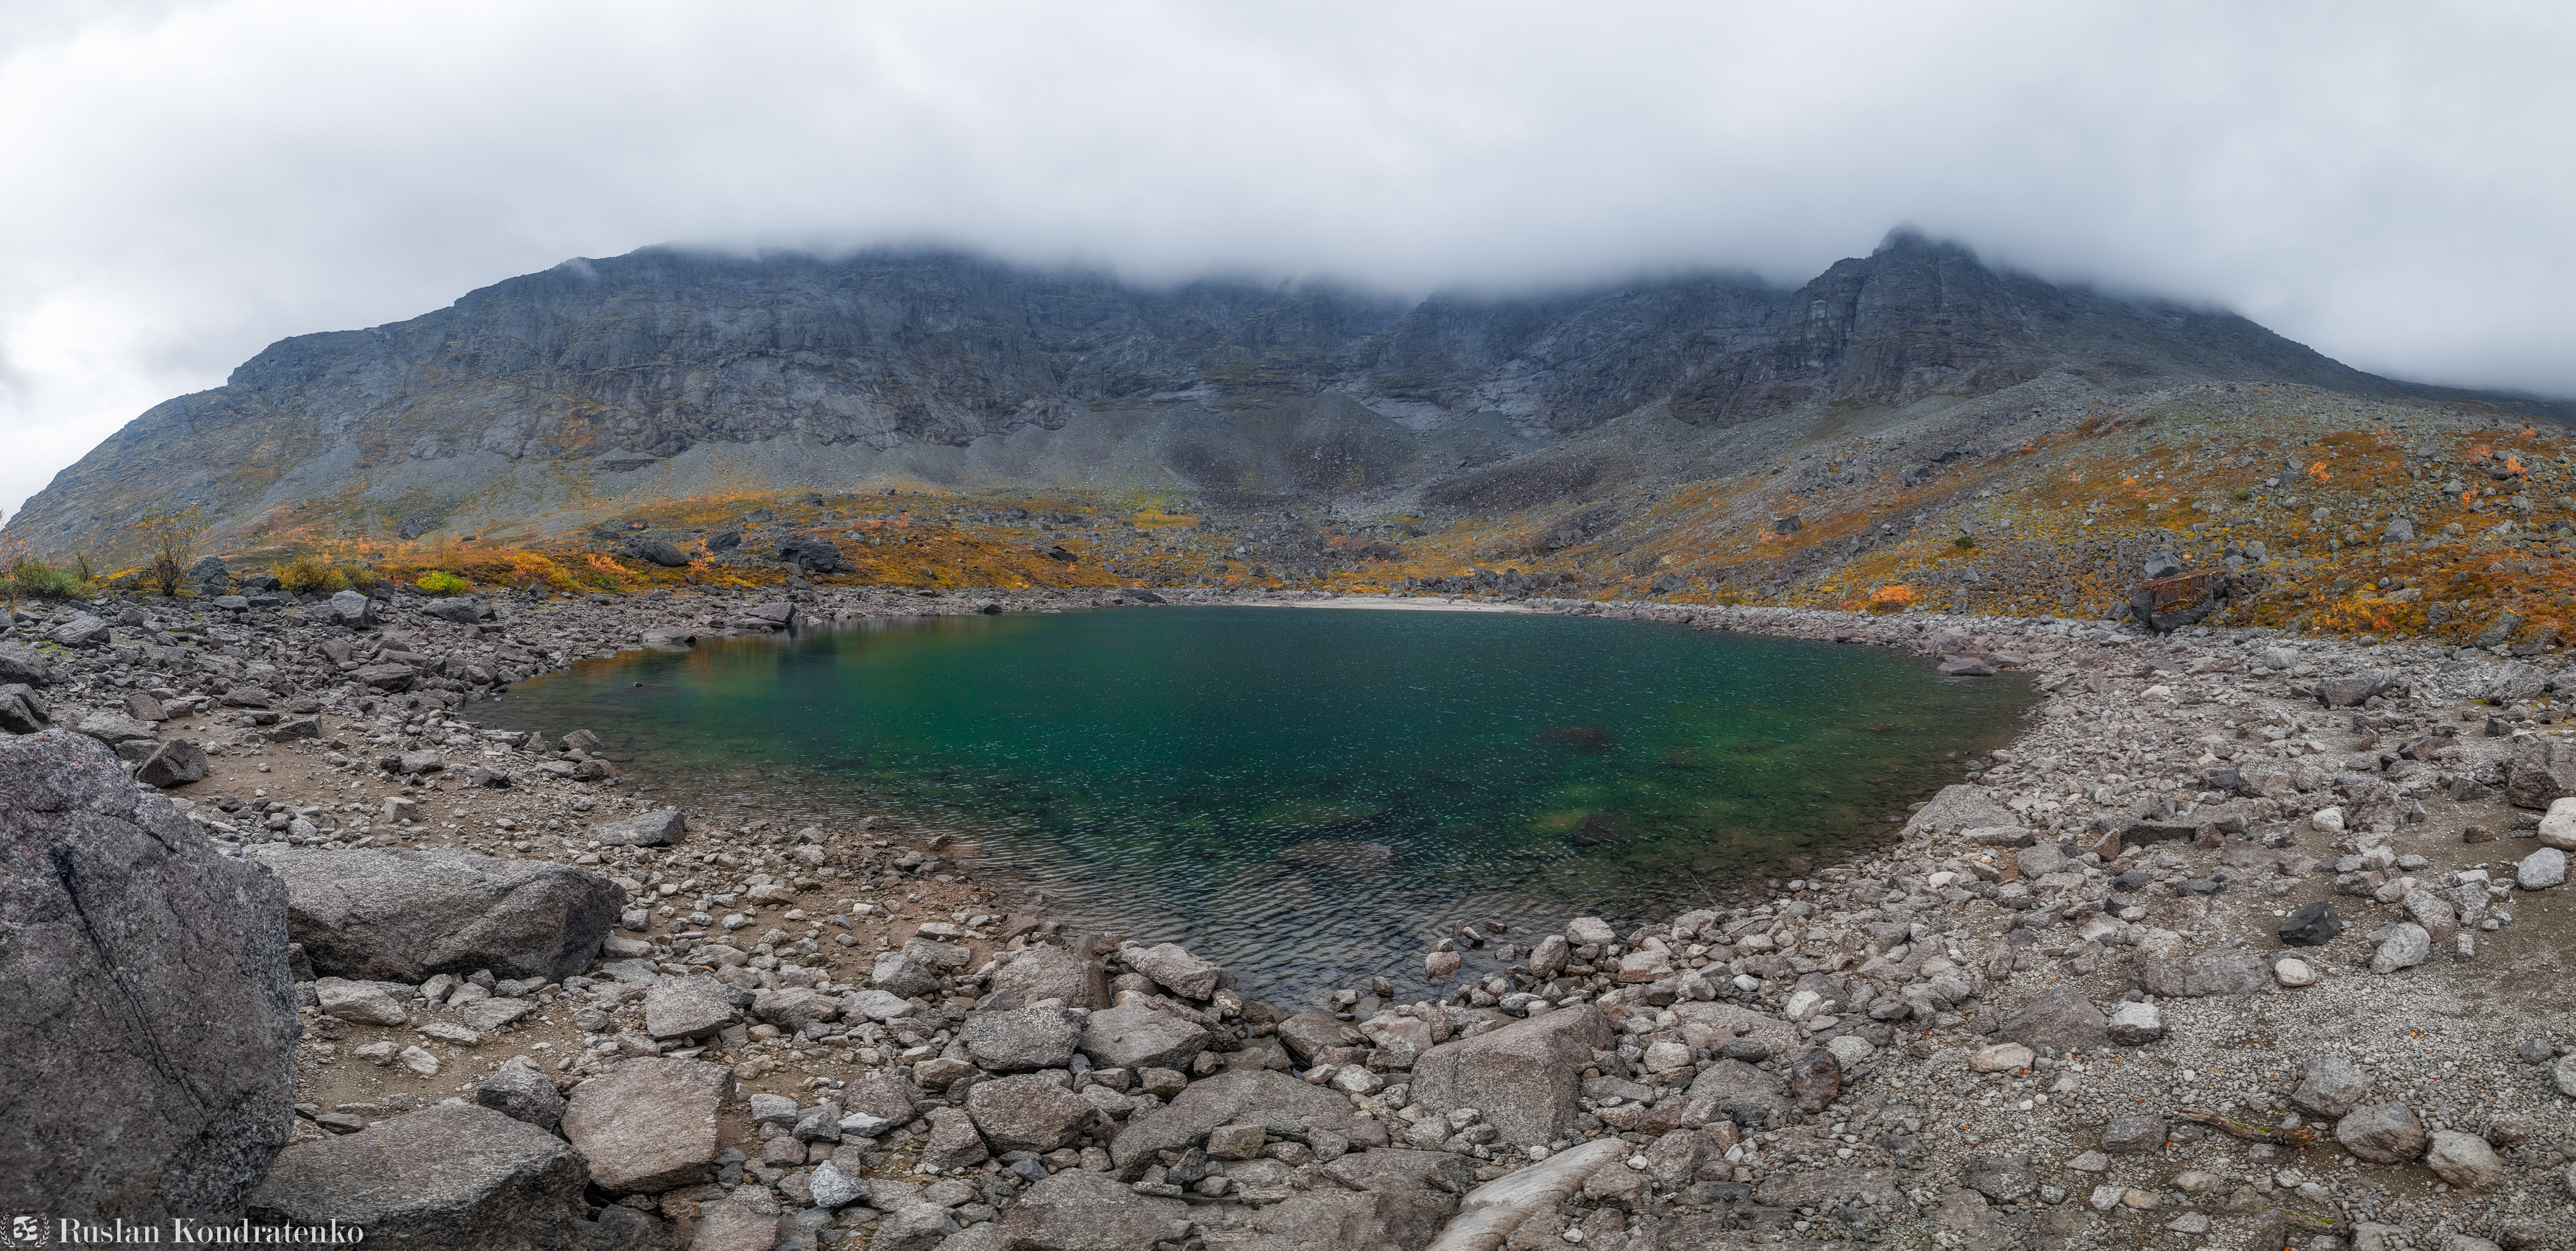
542, 402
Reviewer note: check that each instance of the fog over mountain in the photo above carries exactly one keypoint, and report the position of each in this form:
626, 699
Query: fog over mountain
195, 180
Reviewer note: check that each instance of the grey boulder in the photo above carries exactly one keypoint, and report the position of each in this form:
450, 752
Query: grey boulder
2136, 1024
349, 608
2062, 1020
2330, 1086
902, 976
1138, 1037
112, 727
145, 1003
1029, 1112
2345, 692
2541, 772
2382, 1133
1020, 1041
649, 1124
1079, 1211
1176, 970
810, 552
1525, 1077
404, 915
1284, 1106
521, 1091
687, 1008
463, 610
449, 1175
2464, 1160
2406, 946
2541, 869
25, 666
22, 710
658, 828
174, 763
1051, 972
362, 1003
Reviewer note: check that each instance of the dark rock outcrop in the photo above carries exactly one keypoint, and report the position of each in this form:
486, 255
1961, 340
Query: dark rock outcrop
145, 1008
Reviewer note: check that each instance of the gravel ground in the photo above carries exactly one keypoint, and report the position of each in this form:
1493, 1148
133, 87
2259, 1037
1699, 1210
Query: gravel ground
2130, 859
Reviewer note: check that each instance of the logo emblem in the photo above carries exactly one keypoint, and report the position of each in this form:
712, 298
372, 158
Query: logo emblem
27, 1231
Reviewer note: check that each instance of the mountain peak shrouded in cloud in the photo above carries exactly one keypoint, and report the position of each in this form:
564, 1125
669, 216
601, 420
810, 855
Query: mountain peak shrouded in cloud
544, 402
193, 180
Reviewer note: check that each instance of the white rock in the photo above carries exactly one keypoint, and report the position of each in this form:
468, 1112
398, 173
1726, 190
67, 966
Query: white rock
2558, 829
2106, 1198
2001, 1058
2294, 972
1802, 1005
419, 1061
2327, 820
834, 1188
1850, 1050
2541, 869
2137, 1023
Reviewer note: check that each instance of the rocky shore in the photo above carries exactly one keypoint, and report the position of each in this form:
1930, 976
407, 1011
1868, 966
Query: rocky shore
2248, 940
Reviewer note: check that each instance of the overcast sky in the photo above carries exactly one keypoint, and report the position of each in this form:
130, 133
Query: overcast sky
182, 183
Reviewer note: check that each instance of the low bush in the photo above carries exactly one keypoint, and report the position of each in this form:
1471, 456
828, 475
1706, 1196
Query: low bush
34, 579
441, 582
306, 576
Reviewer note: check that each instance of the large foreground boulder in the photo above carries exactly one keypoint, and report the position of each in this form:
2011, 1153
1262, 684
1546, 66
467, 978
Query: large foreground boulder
400, 916
147, 1019
1527, 1077
449, 1175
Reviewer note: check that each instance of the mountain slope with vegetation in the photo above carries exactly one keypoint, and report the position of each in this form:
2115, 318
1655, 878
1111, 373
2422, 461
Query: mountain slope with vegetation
1911, 427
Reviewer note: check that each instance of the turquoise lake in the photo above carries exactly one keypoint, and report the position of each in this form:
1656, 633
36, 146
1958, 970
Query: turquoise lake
1307, 796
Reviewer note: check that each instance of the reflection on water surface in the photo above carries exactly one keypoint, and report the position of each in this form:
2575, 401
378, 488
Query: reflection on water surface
1307, 796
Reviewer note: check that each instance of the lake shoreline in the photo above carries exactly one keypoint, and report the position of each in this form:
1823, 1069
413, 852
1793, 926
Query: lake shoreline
2129, 860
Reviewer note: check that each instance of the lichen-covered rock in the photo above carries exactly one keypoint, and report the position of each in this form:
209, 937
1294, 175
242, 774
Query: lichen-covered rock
145, 1005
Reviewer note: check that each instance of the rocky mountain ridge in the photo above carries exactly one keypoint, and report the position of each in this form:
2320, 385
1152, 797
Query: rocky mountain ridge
546, 402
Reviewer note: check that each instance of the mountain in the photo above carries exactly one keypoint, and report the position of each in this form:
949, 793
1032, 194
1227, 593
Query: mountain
546, 403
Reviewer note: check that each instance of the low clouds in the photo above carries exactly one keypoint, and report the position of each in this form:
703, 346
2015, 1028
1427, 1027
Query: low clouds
191, 181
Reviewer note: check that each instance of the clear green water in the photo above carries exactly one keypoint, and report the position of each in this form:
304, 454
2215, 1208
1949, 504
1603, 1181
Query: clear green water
1307, 796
